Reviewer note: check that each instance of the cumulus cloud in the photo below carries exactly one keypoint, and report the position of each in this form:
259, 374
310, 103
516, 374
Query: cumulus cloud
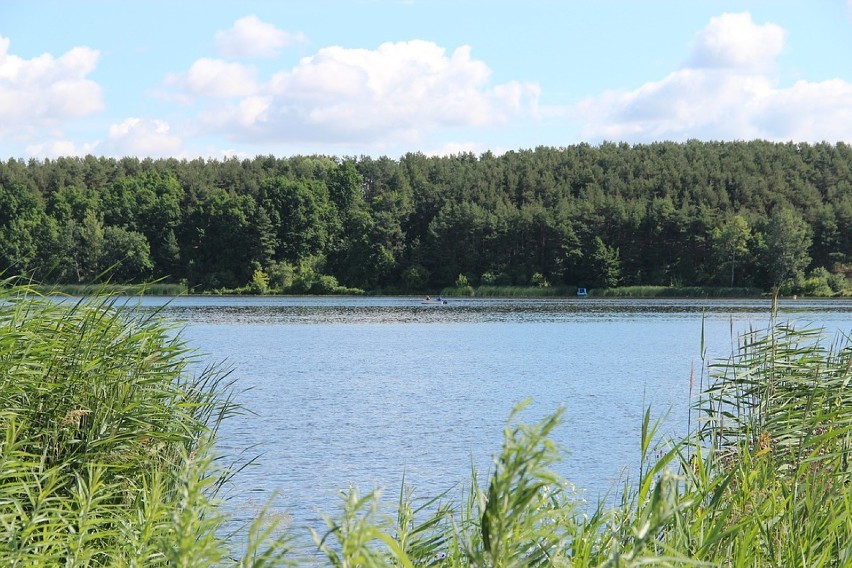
216, 78
45, 91
734, 41
399, 89
726, 90
252, 37
142, 137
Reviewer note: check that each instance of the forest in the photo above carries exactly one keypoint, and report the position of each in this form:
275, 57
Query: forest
729, 214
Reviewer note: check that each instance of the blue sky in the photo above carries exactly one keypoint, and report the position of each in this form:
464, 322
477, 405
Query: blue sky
215, 78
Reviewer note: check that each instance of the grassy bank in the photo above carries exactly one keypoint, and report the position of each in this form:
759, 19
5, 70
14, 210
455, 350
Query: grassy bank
676, 292
105, 460
78, 290
621, 292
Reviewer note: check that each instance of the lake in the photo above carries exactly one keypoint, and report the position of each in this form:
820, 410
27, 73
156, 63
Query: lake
362, 391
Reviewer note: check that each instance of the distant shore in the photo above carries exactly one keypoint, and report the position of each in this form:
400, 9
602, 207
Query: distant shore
164, 289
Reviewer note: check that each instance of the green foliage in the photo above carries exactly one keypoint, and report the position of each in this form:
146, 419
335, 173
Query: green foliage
259, 282
519, 509
126, 255
730, 243
785, 247
113, 289
821, 283
105, 441
605, 265
688, 214
514, 291
539, 280
415, 278
281, 276
675, 292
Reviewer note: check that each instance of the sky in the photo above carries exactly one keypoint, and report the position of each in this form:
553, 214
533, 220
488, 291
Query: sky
222, 78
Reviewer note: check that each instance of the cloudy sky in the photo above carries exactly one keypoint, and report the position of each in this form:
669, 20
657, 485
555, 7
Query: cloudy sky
214, 78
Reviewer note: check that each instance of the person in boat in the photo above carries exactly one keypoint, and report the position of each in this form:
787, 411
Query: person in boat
428, 298
440, 299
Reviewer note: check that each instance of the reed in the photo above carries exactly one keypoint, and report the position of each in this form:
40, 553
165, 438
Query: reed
676, 292
105, 440
620, 292
96, 290
512, 291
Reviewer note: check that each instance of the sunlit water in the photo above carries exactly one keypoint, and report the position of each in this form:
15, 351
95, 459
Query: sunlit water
361, 391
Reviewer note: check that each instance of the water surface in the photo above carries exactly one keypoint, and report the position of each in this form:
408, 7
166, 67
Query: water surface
363, 390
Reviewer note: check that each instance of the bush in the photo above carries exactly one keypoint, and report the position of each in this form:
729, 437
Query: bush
259, 282
281, 276
415, 278
539, 280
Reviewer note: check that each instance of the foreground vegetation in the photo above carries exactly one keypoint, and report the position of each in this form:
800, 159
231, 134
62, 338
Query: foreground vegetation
105, 442
734, 214
105, 460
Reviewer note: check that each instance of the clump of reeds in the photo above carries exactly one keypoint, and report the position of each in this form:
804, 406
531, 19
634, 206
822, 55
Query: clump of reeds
147, 289
676, 292
105, 441
488, 291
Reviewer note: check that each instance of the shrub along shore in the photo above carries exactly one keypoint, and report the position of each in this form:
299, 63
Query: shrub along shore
106, 459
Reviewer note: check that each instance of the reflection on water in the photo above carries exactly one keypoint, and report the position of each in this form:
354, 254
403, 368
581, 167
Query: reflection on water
364, 390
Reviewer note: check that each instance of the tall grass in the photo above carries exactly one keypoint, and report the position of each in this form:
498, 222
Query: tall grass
675, 292
148, 289
620, 292
105, 460
513, 291
105, 441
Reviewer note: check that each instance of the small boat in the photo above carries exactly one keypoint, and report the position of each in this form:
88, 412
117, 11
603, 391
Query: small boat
438, 302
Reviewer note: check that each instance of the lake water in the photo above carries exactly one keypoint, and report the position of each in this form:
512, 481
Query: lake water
363, 390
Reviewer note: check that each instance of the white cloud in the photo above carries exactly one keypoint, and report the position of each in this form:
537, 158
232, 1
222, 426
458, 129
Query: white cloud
725, 91
142, 137
44, 92
251, 37
403, 89
808, 111
734, 41
217, 78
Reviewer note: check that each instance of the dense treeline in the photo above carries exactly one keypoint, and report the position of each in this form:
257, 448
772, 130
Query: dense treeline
696, 213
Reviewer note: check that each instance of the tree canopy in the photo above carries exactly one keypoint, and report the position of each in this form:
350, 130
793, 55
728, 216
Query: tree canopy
696, 213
